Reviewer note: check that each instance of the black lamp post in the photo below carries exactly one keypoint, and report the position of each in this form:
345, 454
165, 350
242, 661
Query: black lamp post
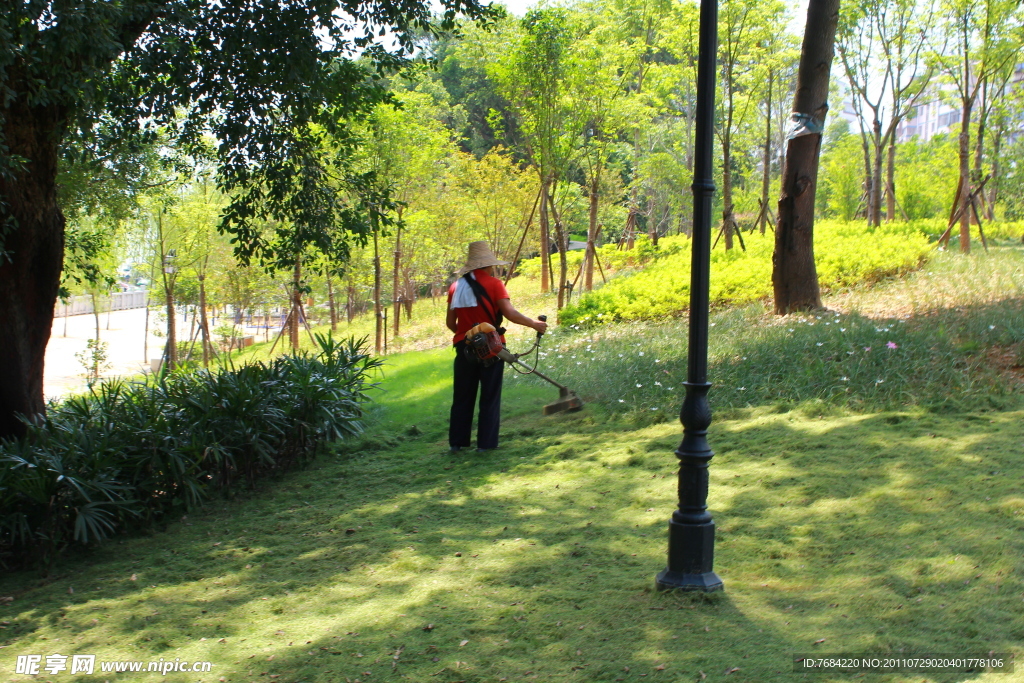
691, 531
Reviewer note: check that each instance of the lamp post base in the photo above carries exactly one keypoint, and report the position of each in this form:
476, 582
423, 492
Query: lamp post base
708, 582
691, 552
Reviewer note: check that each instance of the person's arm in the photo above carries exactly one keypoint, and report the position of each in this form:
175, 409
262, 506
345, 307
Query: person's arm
512, 315
451, 321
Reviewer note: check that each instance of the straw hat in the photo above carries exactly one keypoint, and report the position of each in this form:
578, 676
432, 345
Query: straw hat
480, 256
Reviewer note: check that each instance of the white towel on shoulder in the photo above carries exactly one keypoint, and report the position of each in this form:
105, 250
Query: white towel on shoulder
463, 296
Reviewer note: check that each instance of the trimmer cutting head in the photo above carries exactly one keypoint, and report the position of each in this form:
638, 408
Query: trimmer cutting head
567, 401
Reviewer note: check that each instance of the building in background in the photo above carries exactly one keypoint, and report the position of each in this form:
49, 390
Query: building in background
939, 111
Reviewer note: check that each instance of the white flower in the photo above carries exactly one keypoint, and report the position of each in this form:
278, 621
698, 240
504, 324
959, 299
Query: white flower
842, 329
579, 362
820, 344
879, 381
991, 327
712, 324
670, 388
844, 379
657, 360
743, 388
639, 385
620, 355
791, 329
641, 353
657, 384
621, 401
653, 408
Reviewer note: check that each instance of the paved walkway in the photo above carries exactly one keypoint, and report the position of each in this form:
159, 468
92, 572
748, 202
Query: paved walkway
123, 331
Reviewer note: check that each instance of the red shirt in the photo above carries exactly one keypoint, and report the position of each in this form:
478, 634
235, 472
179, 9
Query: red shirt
465, 318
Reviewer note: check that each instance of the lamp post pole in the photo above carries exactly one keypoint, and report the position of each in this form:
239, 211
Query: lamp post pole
691, 531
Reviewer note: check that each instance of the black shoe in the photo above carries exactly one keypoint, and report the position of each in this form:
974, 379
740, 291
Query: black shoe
484, 450
455, 449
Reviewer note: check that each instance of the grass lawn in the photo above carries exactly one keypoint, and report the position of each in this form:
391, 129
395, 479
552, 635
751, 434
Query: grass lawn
839, 531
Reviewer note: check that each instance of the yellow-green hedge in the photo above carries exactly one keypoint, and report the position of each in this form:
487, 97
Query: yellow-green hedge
846, 254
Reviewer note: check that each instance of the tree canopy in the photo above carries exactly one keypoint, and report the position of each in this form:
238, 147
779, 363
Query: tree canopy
268, 79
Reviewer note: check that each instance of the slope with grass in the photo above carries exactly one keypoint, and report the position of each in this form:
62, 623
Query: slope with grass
842, 526
854, 533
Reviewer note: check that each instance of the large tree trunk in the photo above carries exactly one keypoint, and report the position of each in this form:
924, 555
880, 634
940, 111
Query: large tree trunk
794, 276
32, 235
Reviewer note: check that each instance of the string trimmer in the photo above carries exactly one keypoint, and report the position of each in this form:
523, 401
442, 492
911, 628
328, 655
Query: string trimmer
567, 400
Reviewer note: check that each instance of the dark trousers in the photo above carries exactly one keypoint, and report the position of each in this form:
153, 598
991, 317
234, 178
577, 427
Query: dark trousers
470, 376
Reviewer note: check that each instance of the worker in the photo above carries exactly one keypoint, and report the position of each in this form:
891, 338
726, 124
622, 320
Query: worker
477, 297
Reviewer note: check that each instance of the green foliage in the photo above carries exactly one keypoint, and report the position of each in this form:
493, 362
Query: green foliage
846, 254
125, 455
614, 258
842, 178
94, 359
926, 176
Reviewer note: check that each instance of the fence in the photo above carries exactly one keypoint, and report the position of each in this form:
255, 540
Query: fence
119, 301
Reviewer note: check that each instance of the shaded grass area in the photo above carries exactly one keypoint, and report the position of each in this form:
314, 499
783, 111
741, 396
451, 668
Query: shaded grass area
893, 532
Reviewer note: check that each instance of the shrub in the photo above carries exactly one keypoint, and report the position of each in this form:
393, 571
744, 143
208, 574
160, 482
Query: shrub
126, 454
846, 254
613, 259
